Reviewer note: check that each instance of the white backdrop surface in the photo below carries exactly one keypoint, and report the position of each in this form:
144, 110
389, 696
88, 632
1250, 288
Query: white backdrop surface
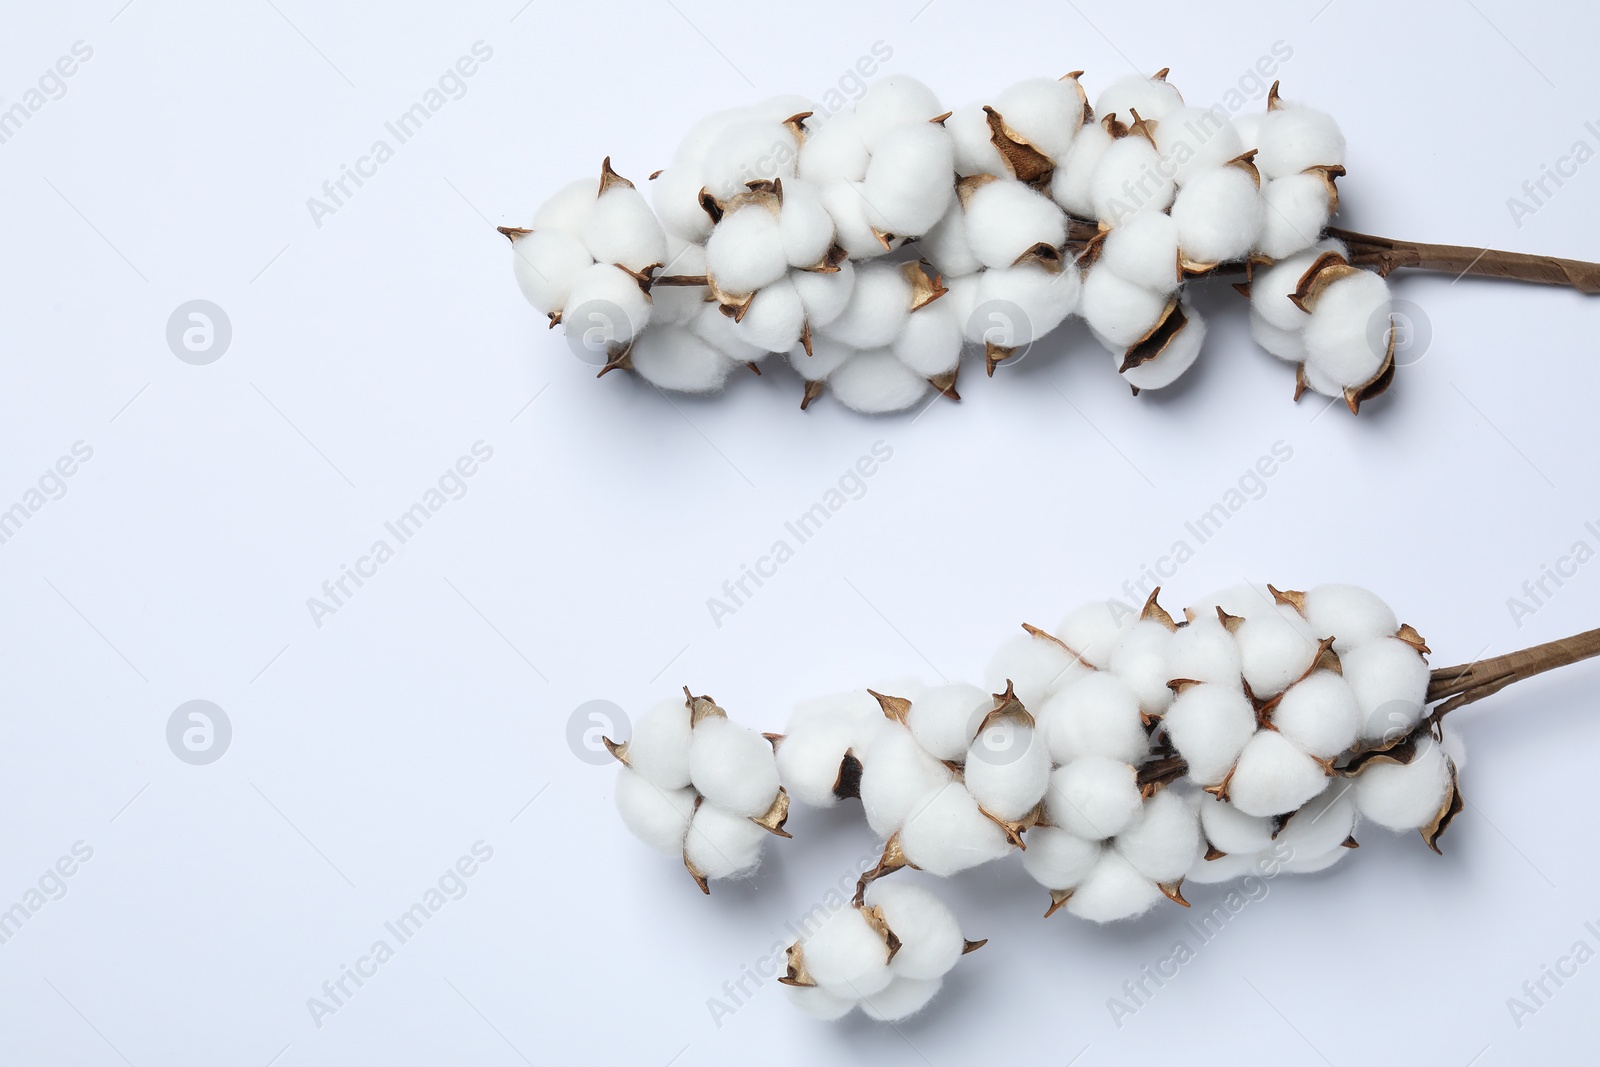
423, 721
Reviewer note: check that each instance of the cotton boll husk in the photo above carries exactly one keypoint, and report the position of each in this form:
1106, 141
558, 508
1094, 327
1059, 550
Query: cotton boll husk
946, 246
609, 299
1035, 666
721, 844
833, 151
1008, 769
1341, 341
1057, 859
804, 224
747, 151
1175, 359
946, 833
1130, 178
1164, 841
1231, 830
1287, 345
846, 956
568, 210
876, 383
1204, 651
1294, 138
546, 262
1322, 825
1312, 864
819, 1003
1209, 725
721, 333
945, 718
880, 301
1408, 796
1144, 251
1045, 112
1097, 715
1319, 714
930, 937
812, 749
1390, 680
1296, 212
658, 817
1349, 614
622, 229
1196, 140
659, 746
826, 356
1092, 631
1222, 869
1113, 890
1043, 297
901, 999
745, 251
896, 774
1152, 98
1005, 218
1119, 311
774, 318
1218, 215
1273, 777
1274, 650
1143, 659
973, 142
1092, 797
893, 102
930, 344
1070, 184
732, 766
909, 182
824, 295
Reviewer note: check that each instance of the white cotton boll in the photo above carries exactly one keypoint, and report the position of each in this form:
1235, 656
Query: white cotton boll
622, 229
1274, 650
826, 356
546, 262
1349, 614
749, 151
659, 746
896, 774
876, 383
1070, 184
1231, 830
658, 817
783, 106
804, 224
1296, 212
1092, 797
930, 344
812, 749
1248, 126
1175, 359
1196, 140
824, 296
1390, 680
1097, 715
1118, 311
1243, 599
1113, 890
946, 833
1152, 98
679, 304
1045, 112
1005, 218
721, 844
947, 247
945, 718
1035, 666
1287, 345
1294, 138
722, 333
892, 102
676, 358
1312, 864
1270, 288
973, 141
569, 208
1008, 769
1204, 651
901, 999
1144, 251
1130, 178
1348, 331
1274, 777
910, 181
846, 956
852, 220
1209, 726
774, 318
819, 1003
1143, 659
1222, 869
833, 151
609, 299
1057, 859
692, 149
1319, 382
1043, 298
930, 937
1455, 748
879, 303
1319, 714
1405, 796
1219, 215
1164, 841
1324, 824
733, 766
1092, 631
745, 251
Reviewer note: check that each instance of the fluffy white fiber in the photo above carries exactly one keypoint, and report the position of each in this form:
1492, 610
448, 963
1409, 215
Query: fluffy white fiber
732, 766
1143, 659
1347, 333
1153, 98
774, 319
1297, 209
1319, 714
1231, 830
675, 195
545, 263
1349, 614
1044, 112
1273, 776
1164, 841
622, 229
896, 776
1119, 311
1042, 299
1005, 218
1219, 215
1070, 184
833, 150
891, 103
1095, 715
569, 208
946, 833
747, 151
846, 956
1180, 353
746, 250
875, 382
1275, 648
659, 747
1130, 178
608, 300
1144, 251
930, 937
1390, 680
930, 343
819, 735
1035, 666
722, 844
673, 357
1113, 890
1008, 769
824, 296
1404, 796
944, 719
908, 181
1196, 141
1209, 725
971, 138
1092, 797
1294, 138
900, 999
1204, 651
819, 1003
1092, 631
658, 817
804, 224
880, 301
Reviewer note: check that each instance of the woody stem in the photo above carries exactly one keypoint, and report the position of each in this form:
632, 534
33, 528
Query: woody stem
1385, 254
1458, 686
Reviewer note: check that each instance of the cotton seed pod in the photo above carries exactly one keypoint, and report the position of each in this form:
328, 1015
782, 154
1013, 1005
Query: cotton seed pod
972, 138
1340, 339
811, 754
1113, 890
1119, 312
1204, 651
606, 302
1095, 715
1219, 215
1059, 859
833, 150
1033, 666
1143, 659
824, 296
897, 775
746, 249
1293, 138
1209, 725
1007, 769
875, 382
853, 222
568, 210
747, 151
930, 344
1164, 840
1144, 251
1297, 208
732, 766
1070, 184
621, 228
945, 719
908, 186
676, 358
1091, 797
1006, 219
659, 747
891, 103
546, 263
947, 246
658, 817
1325, 824
947, 833
1275, 648
1153, 98
719, 330
930, 938
1161, 357
880, 302
1130, 178
1319, 714
1406, 796
1229, 830
848, 954
1273, 286
721, 843
1273, 776
1196, 140
1390, 681
804, 224
1349, 614
1043, 112
773, 319
675, 195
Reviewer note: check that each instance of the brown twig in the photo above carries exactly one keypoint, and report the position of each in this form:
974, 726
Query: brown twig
1385, 254
1459, 686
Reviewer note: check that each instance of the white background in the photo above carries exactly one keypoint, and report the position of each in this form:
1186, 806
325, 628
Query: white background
370, 352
